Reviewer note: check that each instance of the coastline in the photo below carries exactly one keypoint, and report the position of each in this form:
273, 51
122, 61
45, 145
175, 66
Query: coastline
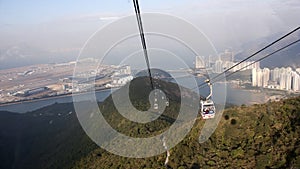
53, 97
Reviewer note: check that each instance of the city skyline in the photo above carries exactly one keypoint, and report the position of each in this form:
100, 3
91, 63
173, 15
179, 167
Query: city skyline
284, 78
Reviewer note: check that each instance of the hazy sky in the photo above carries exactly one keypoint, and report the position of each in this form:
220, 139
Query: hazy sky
63, 27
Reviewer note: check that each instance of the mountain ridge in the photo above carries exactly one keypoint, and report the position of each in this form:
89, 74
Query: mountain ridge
257, 136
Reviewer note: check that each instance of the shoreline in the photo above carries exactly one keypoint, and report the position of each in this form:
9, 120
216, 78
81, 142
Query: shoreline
53, 97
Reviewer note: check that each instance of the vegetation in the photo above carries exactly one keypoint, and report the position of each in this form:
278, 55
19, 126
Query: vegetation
257, 136
139, 93
50, 137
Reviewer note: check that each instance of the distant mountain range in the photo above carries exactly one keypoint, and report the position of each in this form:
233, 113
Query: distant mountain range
24, 55
288, 57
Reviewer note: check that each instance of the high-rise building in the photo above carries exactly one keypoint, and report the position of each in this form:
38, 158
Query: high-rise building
254, 77
285, 80
278, 78
288, 83
218, 66
256, 65
227, 56
295, 81
272, 75
282, 81
212, 59
227, 64
125, 70
208, 61
275, 75
246, 66
289, 78
199, 63
265, 77
259, 78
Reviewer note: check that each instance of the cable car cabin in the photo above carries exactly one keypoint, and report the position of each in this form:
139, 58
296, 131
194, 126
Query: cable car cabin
155, 106
208, 109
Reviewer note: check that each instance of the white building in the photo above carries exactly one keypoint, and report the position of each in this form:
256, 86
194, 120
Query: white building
227, 64
212, 59
265, 77
227, 56
125, 70
278, 78
247, 66
257, 77
199, 63
295, 81
254, 77
288, 82
218, 66
282, 81
285, 80
275, 75
122, 80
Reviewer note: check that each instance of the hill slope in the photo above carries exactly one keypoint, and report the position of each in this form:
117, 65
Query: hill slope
50, 137
258, 136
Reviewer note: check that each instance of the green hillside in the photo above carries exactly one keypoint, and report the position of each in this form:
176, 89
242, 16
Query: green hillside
258, 136
50, 137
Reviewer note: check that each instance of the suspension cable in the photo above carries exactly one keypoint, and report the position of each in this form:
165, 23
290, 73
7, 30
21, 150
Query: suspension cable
254, 54
266, 56
143, 40
278, 50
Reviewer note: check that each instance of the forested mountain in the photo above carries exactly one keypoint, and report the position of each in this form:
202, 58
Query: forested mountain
257, 136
